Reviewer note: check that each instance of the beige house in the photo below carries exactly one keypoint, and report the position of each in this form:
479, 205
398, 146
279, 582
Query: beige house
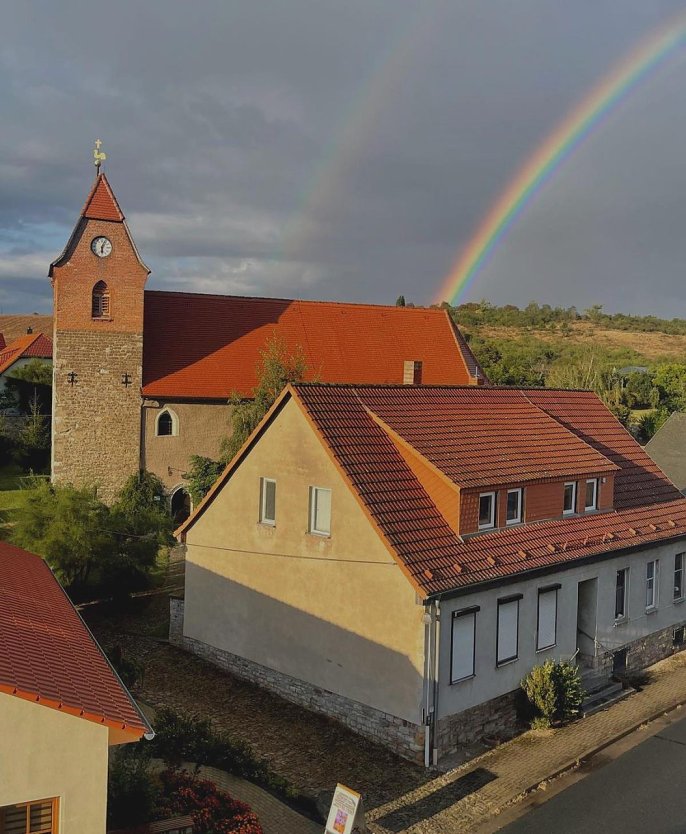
61, 707
399, 557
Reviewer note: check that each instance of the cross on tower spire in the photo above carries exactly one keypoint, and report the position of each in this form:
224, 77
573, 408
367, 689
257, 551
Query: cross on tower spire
98, 155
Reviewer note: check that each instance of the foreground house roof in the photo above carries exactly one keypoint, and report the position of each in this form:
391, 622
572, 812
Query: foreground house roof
30, 346
209, 346
48, 655
362, 426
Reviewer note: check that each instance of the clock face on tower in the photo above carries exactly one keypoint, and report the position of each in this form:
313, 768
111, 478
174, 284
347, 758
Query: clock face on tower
101, 246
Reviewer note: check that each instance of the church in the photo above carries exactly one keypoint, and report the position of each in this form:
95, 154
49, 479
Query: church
142, 378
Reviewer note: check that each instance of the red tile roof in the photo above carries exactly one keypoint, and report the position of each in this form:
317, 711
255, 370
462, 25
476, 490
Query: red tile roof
30, 346
208, 346
101, 204
48, 655
639, 480
485, 438
433, 556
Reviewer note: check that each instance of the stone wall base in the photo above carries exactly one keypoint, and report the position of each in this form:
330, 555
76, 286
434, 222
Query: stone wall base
497, 717
403, 737
647, 650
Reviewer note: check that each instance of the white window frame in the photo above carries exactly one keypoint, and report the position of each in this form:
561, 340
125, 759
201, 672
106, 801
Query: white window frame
502, 661
464, 618
520, 503
573, 485
678, 569
314, 493
619, 618
593, 506
491, 523
552, 591
174, 423
652, 584
264, 519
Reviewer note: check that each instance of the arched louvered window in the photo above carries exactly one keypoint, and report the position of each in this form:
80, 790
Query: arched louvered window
101, 301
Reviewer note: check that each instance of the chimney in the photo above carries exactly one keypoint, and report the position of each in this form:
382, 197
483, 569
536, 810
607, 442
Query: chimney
29, 331
412, 372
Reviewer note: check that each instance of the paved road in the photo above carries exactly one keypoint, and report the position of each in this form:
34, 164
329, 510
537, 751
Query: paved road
642, 791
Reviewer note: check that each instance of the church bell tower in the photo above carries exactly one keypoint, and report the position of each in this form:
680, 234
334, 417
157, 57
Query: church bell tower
98, 291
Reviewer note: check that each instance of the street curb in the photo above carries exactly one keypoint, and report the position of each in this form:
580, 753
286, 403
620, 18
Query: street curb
593, 751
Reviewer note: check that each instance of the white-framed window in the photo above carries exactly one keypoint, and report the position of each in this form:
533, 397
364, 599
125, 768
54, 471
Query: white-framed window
320, 511
486, 510
514, 506
569, 505
463, 644
591, 502
268, 501
167, 423
652, 574
678, 576
546, 628
507, 641
621, 587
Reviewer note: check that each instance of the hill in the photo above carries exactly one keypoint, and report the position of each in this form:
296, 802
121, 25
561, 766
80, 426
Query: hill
12, 327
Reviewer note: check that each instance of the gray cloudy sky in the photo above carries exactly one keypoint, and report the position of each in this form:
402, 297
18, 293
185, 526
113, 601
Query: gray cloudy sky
342, 149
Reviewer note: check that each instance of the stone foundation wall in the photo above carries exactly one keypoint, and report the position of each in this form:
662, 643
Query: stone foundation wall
401, 736
497, 717
649, 649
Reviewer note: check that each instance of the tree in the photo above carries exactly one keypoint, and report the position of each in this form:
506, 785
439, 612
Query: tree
277, 368
35, 371
66, 525
400, 301
112, 550
33, 438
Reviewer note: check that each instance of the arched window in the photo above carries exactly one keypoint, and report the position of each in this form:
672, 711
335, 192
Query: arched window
167, 423
100, 308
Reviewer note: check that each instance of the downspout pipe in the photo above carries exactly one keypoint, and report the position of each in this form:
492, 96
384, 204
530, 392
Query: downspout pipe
431, 620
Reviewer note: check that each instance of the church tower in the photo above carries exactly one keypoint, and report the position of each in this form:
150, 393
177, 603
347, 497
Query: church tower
98, 290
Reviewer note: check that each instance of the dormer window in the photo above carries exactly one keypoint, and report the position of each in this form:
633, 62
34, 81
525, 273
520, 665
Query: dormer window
100, 308
592, 494
569, 505
486, 510
514, 506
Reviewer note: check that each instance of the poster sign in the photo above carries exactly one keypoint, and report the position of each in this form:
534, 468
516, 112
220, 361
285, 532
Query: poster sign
346, 815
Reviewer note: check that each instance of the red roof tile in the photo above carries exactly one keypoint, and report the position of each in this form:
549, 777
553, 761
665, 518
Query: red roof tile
485, 437
48, 655
101, 204
30, 346
436, 559
208, 346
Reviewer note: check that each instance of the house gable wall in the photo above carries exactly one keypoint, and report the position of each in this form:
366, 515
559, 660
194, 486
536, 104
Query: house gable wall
45, 753
334, 611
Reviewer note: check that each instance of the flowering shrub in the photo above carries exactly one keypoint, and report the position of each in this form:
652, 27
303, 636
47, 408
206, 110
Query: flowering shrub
213, 811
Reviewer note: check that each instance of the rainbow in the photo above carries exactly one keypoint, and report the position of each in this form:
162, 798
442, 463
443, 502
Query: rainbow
569, 134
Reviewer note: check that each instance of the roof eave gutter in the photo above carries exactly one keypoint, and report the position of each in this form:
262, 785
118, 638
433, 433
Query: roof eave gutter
545, 569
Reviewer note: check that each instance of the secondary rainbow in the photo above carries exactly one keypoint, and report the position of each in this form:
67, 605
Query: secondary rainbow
651, 53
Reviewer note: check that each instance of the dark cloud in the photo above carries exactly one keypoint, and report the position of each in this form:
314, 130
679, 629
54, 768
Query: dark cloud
341, 150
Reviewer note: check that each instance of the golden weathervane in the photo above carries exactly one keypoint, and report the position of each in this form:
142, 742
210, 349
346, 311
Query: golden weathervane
98, 155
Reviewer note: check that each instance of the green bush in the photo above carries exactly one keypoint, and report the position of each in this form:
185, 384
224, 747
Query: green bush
132, 792
554, 689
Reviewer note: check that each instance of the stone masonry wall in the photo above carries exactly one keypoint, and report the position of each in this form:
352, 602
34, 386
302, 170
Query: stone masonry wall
497, 717
402, 736
97, 420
